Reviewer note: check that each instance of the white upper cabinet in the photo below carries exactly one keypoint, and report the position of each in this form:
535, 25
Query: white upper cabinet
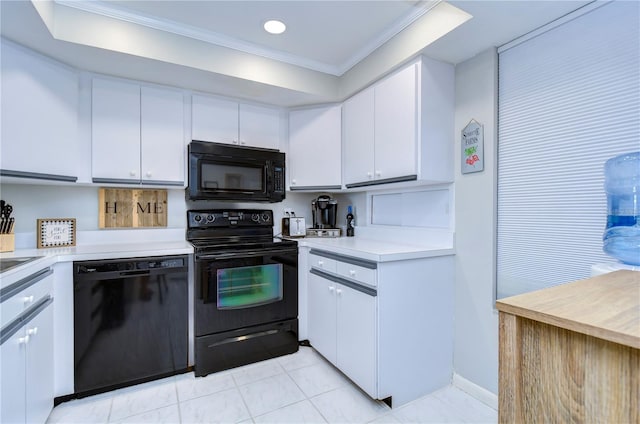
214, 120
395, 126
260, 126
137, 134
315, 148
40, 104
358, 128
401, 129
115, 131
163, 146
225, 121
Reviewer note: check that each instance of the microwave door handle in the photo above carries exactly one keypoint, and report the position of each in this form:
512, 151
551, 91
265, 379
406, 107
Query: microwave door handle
221, 190
267, 177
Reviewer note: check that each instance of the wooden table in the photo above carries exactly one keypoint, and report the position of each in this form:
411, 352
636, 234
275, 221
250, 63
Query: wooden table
571, 353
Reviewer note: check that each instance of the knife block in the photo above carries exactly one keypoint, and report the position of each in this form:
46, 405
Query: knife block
7, 242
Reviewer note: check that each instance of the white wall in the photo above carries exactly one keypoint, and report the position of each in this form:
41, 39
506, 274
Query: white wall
31, 202
299, 202
476, 322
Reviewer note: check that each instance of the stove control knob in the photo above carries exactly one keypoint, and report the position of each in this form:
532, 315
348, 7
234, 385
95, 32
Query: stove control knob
197, 218
211, 218
265, 217
255, 217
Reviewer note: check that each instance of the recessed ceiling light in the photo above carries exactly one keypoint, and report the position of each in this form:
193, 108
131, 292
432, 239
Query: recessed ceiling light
274, 27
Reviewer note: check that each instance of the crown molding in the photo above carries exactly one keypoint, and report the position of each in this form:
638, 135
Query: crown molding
382, 38
115, 12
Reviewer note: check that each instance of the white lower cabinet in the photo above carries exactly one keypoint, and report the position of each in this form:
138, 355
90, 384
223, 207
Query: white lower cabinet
26, 360
388, 326
13, 357
356, 337
342, 327
27, 371
39, 367
322, 316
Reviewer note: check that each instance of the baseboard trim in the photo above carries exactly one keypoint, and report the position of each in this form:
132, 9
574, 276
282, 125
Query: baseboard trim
478, 392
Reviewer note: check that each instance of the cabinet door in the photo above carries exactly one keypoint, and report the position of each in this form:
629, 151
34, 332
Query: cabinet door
12, 383
162, 136
396, 130
259, 126
115, 131
39, 367
39, 115
214, 120
315, 148
356, 337
359, 138
322, 316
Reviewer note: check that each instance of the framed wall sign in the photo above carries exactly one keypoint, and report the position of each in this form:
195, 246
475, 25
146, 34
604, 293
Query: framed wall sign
56, 232
132, 208
472, 147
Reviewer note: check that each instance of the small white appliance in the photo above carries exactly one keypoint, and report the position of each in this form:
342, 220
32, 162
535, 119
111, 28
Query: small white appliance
297, 227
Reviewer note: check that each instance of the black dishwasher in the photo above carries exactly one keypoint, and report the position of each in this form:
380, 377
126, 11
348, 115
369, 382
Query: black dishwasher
130, 321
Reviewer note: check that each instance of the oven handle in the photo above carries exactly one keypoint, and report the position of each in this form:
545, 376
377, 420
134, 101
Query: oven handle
248, 254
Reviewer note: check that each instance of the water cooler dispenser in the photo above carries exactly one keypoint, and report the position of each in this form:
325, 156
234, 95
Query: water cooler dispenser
621, 238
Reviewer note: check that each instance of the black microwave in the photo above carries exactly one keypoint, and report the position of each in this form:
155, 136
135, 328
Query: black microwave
244, 174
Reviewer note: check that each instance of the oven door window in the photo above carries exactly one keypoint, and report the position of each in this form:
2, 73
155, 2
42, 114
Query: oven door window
249, 286
231, 177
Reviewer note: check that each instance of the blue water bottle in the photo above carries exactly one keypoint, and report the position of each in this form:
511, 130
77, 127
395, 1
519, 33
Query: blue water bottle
621, 237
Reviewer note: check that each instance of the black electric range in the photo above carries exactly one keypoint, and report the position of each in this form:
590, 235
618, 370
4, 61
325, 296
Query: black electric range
246, 288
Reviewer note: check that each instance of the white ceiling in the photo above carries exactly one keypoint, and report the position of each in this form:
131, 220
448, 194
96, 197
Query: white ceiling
328, 36
330, 49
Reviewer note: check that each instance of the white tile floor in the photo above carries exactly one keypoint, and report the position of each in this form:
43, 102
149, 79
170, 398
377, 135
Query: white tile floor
298, 388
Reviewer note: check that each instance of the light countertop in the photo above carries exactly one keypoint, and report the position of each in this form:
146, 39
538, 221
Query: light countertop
376, 250
360, 247
50, 256
606, 307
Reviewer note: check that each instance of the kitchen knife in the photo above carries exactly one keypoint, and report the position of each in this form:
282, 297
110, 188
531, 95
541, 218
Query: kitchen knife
3, 223
11, 222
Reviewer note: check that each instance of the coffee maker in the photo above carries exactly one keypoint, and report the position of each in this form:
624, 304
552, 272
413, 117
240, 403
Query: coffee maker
324, 210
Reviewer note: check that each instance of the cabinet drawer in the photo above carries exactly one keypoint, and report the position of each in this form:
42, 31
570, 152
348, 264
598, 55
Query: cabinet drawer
17, 303
356, 272
326, 264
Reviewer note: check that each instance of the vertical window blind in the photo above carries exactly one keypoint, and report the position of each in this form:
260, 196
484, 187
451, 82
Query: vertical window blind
568, 100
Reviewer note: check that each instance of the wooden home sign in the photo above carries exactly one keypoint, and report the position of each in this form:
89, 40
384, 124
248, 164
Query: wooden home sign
132, 208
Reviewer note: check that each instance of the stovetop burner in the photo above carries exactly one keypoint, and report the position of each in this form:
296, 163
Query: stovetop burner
229, 218
224, 229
